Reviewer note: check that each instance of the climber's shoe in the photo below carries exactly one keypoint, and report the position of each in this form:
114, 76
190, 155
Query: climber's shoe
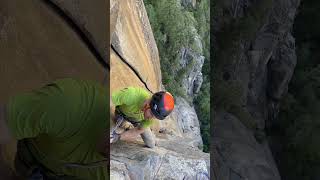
124, 127
114, 137
116, 131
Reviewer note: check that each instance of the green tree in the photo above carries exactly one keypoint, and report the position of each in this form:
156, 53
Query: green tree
173, 28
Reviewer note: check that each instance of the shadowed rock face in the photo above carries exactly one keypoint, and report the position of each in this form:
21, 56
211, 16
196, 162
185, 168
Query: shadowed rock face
262, 58
238, 154
38, 46
176, 154
91, 17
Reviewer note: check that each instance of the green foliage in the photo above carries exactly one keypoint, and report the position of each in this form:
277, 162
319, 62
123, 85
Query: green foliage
173, 28
202, 16
202, 100
202, 107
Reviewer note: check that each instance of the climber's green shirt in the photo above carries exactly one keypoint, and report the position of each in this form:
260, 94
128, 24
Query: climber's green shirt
130, 102
63, 122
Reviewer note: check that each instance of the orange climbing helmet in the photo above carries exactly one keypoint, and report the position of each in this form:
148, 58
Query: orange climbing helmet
162, 104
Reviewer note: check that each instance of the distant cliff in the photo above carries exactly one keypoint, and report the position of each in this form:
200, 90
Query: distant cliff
254, 62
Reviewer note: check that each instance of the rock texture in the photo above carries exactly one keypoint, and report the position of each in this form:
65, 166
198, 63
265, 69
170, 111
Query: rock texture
193, 80
38, 46
239, 156
189, 3
192, 59
133, 40
171, 160
261, 56
188, 122
178, 137
85, 14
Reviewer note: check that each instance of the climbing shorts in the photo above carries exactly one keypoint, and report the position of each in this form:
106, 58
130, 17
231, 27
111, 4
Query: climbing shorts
147, 136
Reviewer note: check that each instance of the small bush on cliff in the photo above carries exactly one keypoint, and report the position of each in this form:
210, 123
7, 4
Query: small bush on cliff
202, 107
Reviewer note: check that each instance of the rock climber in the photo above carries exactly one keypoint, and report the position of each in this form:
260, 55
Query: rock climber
136, 110
61, 131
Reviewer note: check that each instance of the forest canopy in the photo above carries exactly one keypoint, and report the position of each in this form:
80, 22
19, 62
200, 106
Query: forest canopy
173, 28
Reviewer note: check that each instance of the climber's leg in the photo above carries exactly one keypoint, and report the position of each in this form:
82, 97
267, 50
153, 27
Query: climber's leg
117, 129
121, 125
125, 125
148, 138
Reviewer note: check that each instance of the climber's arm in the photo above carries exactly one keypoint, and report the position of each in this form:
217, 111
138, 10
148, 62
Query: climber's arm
46, 110
131, 134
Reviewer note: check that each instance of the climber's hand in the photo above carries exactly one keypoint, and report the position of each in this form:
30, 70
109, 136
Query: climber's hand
126, 125
132, 134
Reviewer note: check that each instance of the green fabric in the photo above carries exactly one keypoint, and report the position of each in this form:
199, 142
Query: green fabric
63, 122
130, 102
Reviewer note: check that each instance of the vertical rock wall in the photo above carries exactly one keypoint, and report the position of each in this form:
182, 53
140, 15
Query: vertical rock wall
135, 62
255, 48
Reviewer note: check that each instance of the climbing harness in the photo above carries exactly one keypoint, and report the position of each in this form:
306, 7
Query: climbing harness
120, 118
114, 136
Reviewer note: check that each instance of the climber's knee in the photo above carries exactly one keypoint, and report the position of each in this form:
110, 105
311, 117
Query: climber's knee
148, 138
150, 144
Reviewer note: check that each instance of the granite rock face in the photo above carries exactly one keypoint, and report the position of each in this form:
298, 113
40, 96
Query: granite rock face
193, 79
135, 62
132, 38
188, 122
170, 160
237, 153
255, 48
